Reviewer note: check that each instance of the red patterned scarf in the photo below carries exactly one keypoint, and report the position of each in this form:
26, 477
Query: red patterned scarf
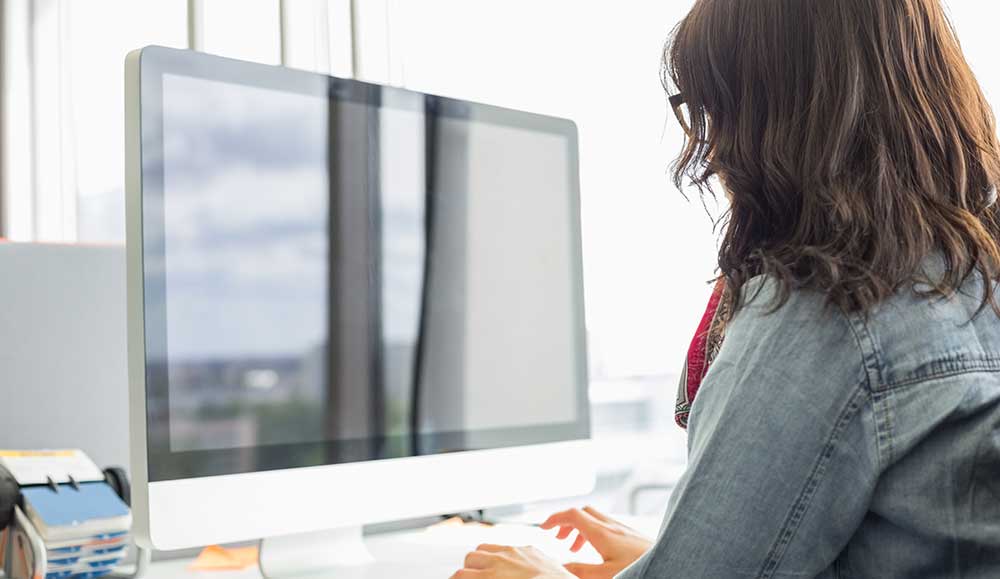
702, 351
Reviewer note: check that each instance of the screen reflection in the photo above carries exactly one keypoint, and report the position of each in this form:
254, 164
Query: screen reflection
352, 280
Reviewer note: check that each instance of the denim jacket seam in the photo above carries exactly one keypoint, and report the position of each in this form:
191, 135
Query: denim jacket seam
871, 354
966, 366
882, 412
871, 361
804, 499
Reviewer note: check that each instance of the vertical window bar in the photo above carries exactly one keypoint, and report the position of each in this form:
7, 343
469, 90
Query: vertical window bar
370, 19
305, 34
196, 25
54, 206
321, 27
340, 37
355, 50
283, 33
17, 110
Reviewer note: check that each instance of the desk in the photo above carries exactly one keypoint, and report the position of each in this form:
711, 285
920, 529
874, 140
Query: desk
433, 553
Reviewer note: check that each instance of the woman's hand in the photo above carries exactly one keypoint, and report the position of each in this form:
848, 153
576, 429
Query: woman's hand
499, 562
617, 544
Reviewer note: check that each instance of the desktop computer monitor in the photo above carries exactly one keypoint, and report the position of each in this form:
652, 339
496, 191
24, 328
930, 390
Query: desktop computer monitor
347, 303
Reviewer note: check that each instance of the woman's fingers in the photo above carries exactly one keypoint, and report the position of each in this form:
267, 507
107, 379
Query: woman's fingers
598, 515
588, 524
490, 561
575, 518
562, 518
484, 557
585, 571
479, 559
549, 523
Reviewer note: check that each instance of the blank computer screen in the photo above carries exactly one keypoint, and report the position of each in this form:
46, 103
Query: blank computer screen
347, 277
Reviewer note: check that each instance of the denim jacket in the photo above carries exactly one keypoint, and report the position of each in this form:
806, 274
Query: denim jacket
825, 444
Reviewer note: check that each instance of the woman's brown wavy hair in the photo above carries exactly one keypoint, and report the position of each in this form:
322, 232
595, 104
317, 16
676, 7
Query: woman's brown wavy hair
852, 138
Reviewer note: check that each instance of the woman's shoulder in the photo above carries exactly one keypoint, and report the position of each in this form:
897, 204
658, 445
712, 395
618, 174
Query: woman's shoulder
767, 304
910, 336
792, 327
919, 336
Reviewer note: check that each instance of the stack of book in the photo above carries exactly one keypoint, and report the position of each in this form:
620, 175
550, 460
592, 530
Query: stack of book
62, 530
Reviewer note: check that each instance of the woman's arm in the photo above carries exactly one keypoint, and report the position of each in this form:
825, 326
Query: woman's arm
783, 456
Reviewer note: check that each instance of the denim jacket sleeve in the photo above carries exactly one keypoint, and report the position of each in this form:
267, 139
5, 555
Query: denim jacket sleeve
783, 453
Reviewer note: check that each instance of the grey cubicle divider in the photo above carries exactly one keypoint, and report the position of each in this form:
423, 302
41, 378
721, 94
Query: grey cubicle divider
63, 373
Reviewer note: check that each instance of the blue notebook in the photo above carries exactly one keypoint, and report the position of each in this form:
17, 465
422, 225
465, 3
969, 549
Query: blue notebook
69, 513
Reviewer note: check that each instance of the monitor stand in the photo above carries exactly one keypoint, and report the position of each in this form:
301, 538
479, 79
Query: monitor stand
334, 553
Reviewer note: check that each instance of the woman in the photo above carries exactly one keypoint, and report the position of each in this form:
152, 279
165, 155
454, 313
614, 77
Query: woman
849, 425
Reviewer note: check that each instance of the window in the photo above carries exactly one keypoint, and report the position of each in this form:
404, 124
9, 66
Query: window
65, 64
648, 251
96, 42
243, 29
975, 23
587, 61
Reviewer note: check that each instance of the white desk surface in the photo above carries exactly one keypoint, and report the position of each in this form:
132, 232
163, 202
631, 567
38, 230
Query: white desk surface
433, 553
